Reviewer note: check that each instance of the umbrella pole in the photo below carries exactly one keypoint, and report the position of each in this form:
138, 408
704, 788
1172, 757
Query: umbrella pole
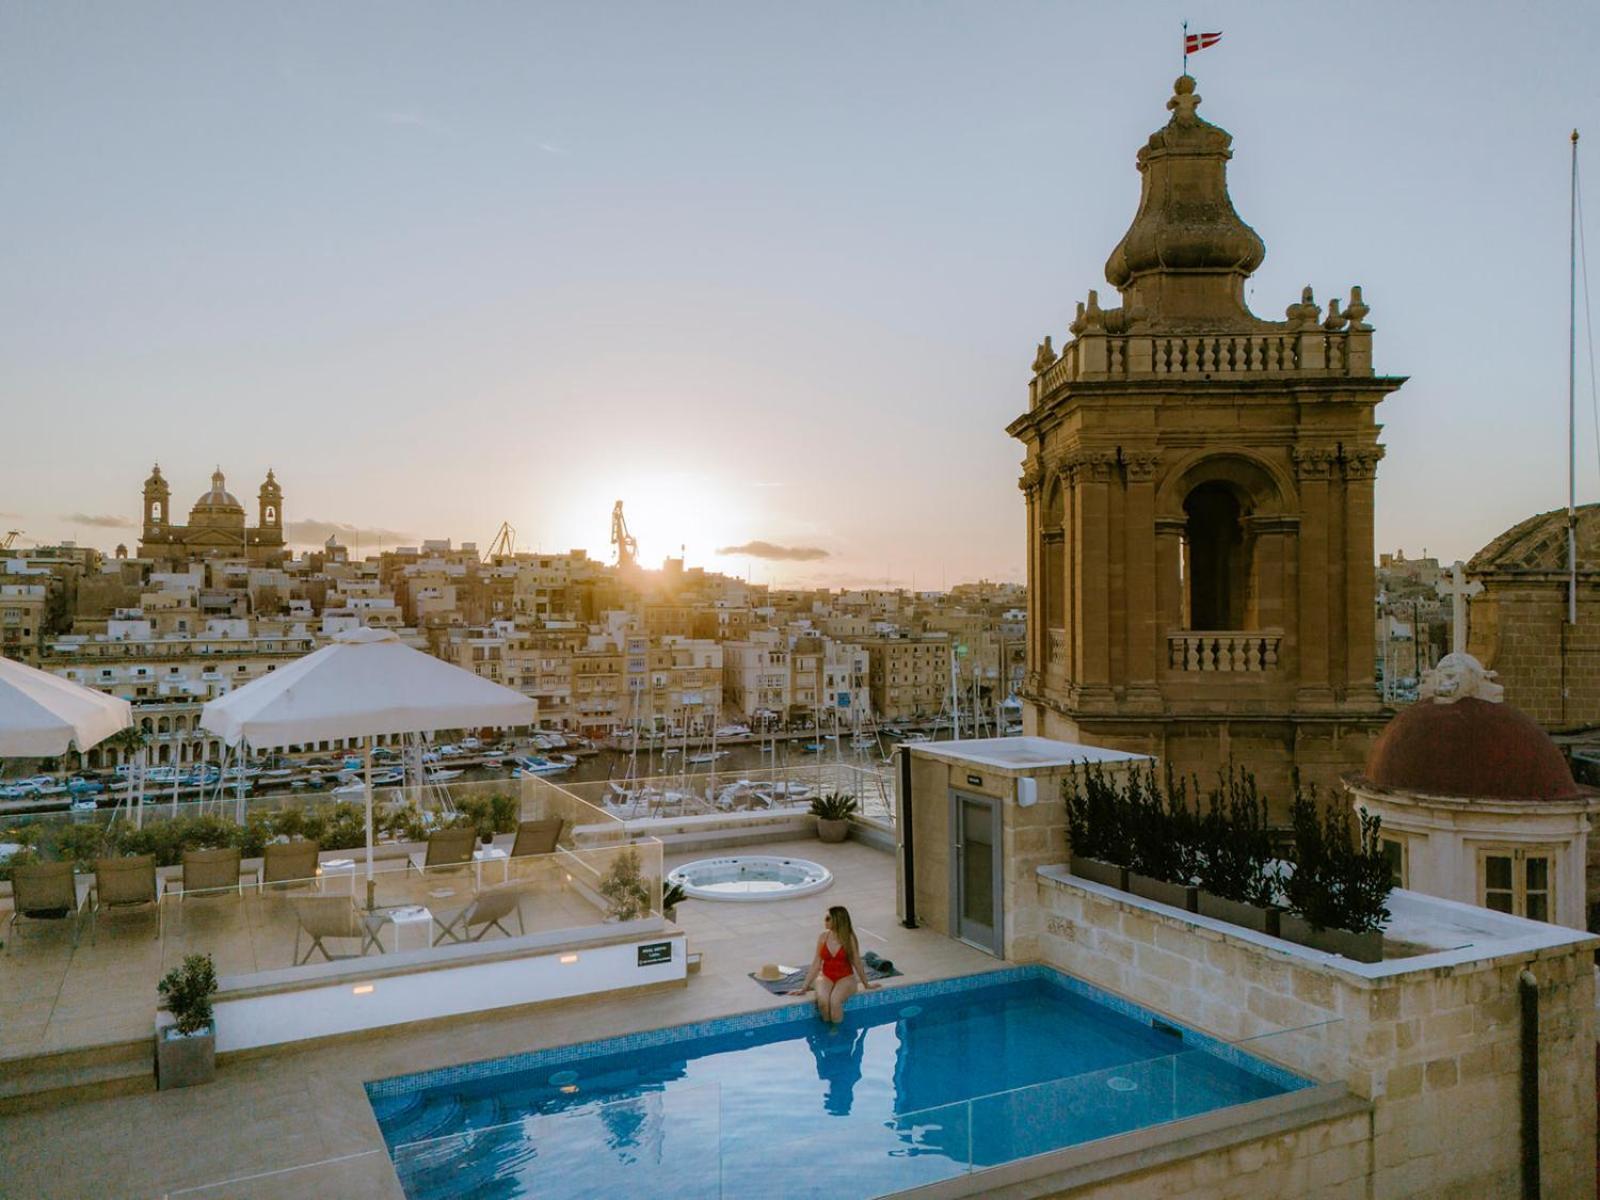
366, 764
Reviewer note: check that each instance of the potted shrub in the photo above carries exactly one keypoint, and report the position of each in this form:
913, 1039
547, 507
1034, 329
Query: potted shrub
1097, 827
671, 898
1163, 833
186, 1038
1339, 886
625, 889
1238, 873
833, 813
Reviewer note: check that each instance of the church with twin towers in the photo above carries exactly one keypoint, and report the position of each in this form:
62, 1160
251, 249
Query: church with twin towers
1199, 495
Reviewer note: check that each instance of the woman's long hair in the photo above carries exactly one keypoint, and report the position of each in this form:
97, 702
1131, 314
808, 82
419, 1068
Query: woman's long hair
839, 920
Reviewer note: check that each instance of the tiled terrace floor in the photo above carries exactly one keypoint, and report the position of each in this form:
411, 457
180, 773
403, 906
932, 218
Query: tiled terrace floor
297, 1124
57, 997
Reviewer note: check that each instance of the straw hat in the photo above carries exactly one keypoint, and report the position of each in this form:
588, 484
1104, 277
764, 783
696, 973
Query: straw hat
770, 973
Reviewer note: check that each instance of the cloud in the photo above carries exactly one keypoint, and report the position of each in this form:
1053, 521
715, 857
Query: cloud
312, 532
552, 148
99, 521
776, 553
415, 120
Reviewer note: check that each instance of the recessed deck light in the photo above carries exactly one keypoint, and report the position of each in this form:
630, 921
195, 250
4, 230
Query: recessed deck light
569, 958
362, 989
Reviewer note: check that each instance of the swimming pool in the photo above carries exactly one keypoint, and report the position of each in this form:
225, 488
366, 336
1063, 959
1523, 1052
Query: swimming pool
919, 1084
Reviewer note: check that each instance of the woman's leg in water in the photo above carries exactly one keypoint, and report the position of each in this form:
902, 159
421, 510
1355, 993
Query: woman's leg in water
840, 992
825, 988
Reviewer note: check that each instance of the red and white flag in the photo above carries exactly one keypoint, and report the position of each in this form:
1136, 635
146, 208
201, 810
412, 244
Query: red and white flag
1193, 43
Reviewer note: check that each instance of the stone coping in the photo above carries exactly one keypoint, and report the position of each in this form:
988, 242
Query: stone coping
1490, 937
434, 958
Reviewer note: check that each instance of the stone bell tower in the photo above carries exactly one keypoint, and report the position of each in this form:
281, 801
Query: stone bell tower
266, 539
1199, 498
157, 510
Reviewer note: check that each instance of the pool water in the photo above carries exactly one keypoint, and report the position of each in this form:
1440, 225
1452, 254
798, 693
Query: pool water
919, 1084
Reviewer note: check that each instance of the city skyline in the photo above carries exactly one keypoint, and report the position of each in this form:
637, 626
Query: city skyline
440, 278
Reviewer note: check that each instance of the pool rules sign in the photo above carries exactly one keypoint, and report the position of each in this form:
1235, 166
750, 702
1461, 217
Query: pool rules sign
653, 954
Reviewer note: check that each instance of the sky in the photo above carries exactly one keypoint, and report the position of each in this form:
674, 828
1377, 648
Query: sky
773, 275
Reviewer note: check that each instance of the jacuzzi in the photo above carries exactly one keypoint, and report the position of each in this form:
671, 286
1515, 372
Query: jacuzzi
751, 877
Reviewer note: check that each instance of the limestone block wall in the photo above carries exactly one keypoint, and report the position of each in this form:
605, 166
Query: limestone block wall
1435, 1049
1550, 669
1330, 1160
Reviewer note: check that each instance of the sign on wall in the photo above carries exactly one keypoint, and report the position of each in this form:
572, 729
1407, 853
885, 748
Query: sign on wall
653, 954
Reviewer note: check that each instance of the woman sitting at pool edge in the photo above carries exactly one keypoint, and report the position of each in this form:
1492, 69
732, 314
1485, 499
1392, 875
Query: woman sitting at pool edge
838, 962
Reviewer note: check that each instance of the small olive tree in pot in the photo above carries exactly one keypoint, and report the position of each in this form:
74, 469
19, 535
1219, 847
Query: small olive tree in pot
186, 1038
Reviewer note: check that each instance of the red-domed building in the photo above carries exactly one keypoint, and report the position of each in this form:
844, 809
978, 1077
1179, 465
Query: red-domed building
1478, 804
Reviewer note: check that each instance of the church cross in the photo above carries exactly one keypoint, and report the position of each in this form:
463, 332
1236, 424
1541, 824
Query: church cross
1458, 590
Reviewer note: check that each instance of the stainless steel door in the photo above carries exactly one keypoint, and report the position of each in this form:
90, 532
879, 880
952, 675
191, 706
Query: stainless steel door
976, 870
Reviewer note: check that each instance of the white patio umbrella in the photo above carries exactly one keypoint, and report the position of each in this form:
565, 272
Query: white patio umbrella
43, 715
366, 683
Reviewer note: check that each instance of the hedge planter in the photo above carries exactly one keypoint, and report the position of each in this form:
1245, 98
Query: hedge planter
1236, 912
1096, 871
1359, 947
1176, 894
183, 1060
832, 831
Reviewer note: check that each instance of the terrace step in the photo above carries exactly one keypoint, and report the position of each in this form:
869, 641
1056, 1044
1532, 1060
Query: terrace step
34, 1081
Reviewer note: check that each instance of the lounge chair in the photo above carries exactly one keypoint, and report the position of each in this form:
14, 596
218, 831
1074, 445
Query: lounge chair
537, 837
320, 917
483, 914
43, 892
211, 872
447, 848
289, 863
123, 885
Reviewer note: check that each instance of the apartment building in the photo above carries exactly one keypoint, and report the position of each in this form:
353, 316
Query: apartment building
908, 676
22, 619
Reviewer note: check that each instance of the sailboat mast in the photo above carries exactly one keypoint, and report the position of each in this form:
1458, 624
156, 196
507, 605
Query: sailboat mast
1572, 409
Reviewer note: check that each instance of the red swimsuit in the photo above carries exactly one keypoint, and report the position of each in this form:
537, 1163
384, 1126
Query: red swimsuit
834, 966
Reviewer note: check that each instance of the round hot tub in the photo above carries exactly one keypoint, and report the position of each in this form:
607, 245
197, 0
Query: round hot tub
751, 877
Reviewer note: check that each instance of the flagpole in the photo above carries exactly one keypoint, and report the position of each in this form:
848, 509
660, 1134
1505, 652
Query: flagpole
1186, 47
1572, 419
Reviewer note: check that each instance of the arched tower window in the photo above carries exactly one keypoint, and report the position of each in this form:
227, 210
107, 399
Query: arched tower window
155, 512
1216, 559
1055, 560
272, 514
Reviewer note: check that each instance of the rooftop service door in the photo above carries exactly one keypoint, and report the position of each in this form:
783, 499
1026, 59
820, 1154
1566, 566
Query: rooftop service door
975, 870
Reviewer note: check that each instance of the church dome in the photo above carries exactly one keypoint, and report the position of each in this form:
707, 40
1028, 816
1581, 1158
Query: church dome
218, 497
1473, 749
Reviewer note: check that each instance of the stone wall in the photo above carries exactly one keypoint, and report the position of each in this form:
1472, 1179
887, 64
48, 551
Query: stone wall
1434, 1048
1550, 669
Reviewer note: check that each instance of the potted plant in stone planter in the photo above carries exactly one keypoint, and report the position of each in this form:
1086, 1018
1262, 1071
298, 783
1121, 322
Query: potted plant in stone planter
1339, 886
1097, 827
1238, 873
673, 896
1164, 832
833, 813
186, 1038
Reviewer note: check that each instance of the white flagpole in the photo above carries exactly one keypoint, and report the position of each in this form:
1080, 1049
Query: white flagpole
1572, 418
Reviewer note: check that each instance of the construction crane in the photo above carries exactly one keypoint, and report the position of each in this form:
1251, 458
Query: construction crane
627, 545
504, 543
10, 539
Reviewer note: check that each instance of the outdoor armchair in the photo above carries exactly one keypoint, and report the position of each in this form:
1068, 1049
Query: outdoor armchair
43, 892
537, 837
447, 848
211, 872
320, 917
483, 914
124, 885
289, 863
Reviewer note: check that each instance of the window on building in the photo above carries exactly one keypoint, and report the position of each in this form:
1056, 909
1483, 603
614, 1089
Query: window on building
1518, 881
1394, 853
1217, 560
